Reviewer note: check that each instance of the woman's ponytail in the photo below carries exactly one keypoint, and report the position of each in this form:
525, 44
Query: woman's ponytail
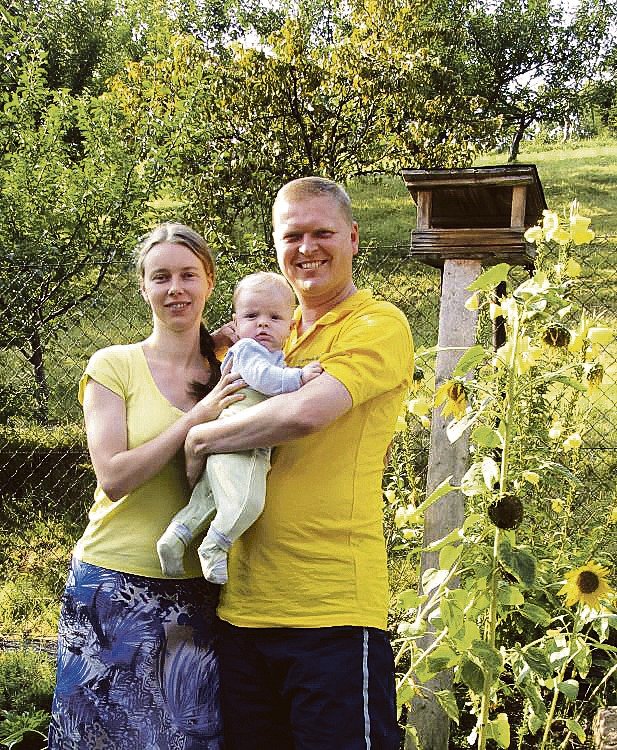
206, 347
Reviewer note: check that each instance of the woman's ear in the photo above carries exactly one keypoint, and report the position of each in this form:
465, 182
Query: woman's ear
142, 291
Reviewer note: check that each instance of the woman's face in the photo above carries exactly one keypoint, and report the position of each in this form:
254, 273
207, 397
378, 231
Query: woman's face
175, 285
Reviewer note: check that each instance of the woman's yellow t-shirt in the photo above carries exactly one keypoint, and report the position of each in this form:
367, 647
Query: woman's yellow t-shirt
122, 534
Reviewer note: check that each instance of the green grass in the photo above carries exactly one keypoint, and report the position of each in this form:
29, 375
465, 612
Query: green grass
585, 170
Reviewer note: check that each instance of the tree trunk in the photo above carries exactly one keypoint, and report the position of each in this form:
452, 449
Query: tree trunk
40, 378
516, 141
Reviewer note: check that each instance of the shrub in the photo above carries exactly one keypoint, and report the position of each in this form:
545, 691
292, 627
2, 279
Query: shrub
27, 681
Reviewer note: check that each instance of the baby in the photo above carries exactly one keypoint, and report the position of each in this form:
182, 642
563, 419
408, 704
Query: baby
231, 491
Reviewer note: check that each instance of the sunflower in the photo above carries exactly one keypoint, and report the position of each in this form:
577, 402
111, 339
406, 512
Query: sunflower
556, 335
454, 394
587, 584
506, 512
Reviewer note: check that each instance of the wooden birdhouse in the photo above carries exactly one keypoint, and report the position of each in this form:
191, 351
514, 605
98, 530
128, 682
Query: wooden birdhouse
476, 213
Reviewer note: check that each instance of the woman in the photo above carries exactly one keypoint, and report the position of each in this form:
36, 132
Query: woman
136, 667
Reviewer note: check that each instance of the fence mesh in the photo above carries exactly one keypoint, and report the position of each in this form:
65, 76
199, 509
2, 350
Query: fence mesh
46, 480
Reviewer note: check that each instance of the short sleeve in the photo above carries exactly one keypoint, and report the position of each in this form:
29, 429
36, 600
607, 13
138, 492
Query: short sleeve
109, 368
373, 353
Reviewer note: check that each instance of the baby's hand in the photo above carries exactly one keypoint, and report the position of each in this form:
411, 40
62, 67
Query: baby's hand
310, 371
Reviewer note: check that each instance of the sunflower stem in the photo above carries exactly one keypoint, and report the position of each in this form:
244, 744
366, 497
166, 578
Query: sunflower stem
489, 636
551, 711
491, 627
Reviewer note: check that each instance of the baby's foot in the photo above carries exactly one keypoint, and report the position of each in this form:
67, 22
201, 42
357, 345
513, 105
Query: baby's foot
213, 561
171, 547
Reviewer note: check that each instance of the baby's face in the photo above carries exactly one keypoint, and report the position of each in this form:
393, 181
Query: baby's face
263, 313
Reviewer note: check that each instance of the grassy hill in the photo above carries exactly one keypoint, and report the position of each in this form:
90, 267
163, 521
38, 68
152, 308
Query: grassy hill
585, 170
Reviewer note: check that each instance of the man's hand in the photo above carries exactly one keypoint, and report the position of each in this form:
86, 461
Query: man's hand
310, 371
195, 463
225, 336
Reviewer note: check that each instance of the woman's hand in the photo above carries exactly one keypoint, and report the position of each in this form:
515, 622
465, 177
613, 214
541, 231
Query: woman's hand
224, 393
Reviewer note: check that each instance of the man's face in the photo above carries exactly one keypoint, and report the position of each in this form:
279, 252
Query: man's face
315, 245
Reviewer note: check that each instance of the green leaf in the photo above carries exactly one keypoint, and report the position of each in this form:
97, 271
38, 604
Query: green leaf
499, 730
538, 661
452, 615
535, 722
454, 536
443, 657
510, 596
405, 694
442, 489
488, 280
485, 437
447, 701
474, 356
569, 688
576, 729
471, 674
582, 657
490, 472
457, 427
486, 657
449, 555
566, 381
536, 614
409, 599
518, 562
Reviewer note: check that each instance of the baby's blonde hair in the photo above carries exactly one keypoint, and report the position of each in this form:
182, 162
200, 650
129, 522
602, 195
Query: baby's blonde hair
264, 279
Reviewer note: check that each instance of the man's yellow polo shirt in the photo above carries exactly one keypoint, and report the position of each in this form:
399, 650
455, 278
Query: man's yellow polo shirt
316, 556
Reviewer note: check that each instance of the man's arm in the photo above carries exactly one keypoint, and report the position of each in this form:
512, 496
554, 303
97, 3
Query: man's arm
277, 420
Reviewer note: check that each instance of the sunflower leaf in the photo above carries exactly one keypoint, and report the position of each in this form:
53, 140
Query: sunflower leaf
469, 361
488, 280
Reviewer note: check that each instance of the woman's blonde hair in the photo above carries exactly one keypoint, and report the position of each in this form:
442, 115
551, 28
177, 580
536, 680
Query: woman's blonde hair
178, 234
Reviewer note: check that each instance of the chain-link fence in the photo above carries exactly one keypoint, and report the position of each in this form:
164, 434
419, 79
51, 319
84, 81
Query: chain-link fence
46, 480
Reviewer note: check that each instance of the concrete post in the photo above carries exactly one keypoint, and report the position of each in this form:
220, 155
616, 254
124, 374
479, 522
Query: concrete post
457, 328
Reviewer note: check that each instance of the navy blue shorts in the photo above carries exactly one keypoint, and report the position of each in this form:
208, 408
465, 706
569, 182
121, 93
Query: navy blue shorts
307, 689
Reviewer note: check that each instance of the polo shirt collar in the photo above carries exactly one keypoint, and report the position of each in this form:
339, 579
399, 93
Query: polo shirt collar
342, 310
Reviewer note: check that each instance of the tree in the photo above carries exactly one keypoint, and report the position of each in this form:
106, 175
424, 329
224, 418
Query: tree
530, 63
63, 215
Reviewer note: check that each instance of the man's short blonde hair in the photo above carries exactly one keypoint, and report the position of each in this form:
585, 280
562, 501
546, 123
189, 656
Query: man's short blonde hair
264, 279
305, 188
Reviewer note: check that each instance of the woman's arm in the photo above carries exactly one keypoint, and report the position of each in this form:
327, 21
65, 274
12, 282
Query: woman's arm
120, 470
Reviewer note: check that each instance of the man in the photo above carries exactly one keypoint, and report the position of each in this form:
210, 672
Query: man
304, 655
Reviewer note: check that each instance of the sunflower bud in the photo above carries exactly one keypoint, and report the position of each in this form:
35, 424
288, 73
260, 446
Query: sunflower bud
417, 378
506, 512
556, 335
594, 376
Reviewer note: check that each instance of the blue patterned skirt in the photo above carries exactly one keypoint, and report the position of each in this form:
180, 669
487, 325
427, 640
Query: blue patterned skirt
136, 664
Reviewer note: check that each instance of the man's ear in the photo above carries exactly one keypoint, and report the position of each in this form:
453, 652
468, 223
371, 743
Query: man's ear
142, 290
355, 237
